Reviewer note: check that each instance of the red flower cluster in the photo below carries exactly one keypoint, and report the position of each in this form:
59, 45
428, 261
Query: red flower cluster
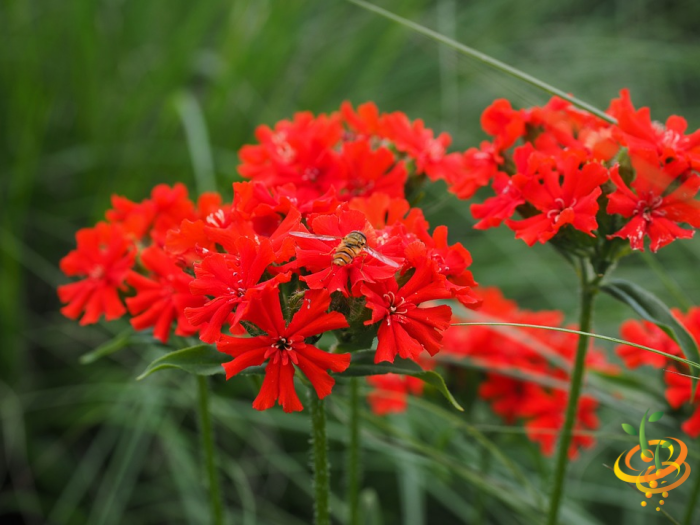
678, 387
323, 225
522, 365
551, 165
352, 153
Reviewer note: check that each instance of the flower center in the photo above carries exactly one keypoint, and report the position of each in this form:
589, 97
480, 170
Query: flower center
556, 212
396, 307
283, 344
648, 207
282, 349
217, 219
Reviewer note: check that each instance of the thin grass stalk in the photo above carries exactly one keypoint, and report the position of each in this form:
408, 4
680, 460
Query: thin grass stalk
319, 460
486, 59
589, 289
354, 467
208, 449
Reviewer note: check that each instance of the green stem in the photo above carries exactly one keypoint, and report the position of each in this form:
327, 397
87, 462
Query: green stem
688, 519
319, 460
588, 292
354, 473
208, 448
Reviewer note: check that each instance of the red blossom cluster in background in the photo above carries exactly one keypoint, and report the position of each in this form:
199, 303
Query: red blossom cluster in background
523, 364
257, 276
678, 387
556, 165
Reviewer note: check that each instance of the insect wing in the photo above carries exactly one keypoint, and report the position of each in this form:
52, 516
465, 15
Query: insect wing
374, 253
307, 235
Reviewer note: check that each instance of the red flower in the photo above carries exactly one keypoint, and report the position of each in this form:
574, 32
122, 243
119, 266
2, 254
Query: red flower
647, 334
479, 166
371, 171
504, 123
677, 393
414, 139
546, 412
390, 393
298, 151
494, 210
669, 141
104, 255
228, 280
364, 121
573, 202
405, 329
654, 209
317, 255
283, 347
162, 297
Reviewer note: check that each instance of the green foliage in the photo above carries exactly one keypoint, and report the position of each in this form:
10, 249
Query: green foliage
650, 308
201, 360
100, 97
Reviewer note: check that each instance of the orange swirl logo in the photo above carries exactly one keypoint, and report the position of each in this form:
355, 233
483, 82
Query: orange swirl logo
665, 474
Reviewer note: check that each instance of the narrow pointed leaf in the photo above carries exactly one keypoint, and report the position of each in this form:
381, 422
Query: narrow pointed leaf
649, 307
108, 348
202, 360
404, 367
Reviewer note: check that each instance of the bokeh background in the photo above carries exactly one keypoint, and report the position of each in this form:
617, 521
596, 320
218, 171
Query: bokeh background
115, 96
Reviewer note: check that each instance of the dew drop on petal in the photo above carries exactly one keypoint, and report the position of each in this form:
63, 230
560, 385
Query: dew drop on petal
648, 494
664, 494
644, 503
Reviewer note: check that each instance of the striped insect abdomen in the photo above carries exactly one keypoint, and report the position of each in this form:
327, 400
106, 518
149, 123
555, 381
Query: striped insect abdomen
350, 247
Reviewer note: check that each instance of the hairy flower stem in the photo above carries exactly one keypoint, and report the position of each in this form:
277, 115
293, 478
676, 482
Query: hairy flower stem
319, 460
208, 449
354, 473
589, 289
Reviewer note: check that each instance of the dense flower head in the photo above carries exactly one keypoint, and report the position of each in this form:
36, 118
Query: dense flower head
678, 386
320, 239
355, 152
527, 369
552, 169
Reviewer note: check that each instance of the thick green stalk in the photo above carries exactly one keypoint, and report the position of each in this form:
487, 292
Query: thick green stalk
319, 460
588, 292
208, 448
354, 473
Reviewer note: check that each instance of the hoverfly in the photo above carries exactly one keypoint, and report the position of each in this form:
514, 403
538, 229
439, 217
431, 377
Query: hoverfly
352, 245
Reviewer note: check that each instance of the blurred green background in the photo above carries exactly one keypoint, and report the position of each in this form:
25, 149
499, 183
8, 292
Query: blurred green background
115, 96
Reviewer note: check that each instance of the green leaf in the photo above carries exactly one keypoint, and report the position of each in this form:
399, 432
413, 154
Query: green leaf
655, 417
105, 349
629, 429
649, 307
400, 366
201, 360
